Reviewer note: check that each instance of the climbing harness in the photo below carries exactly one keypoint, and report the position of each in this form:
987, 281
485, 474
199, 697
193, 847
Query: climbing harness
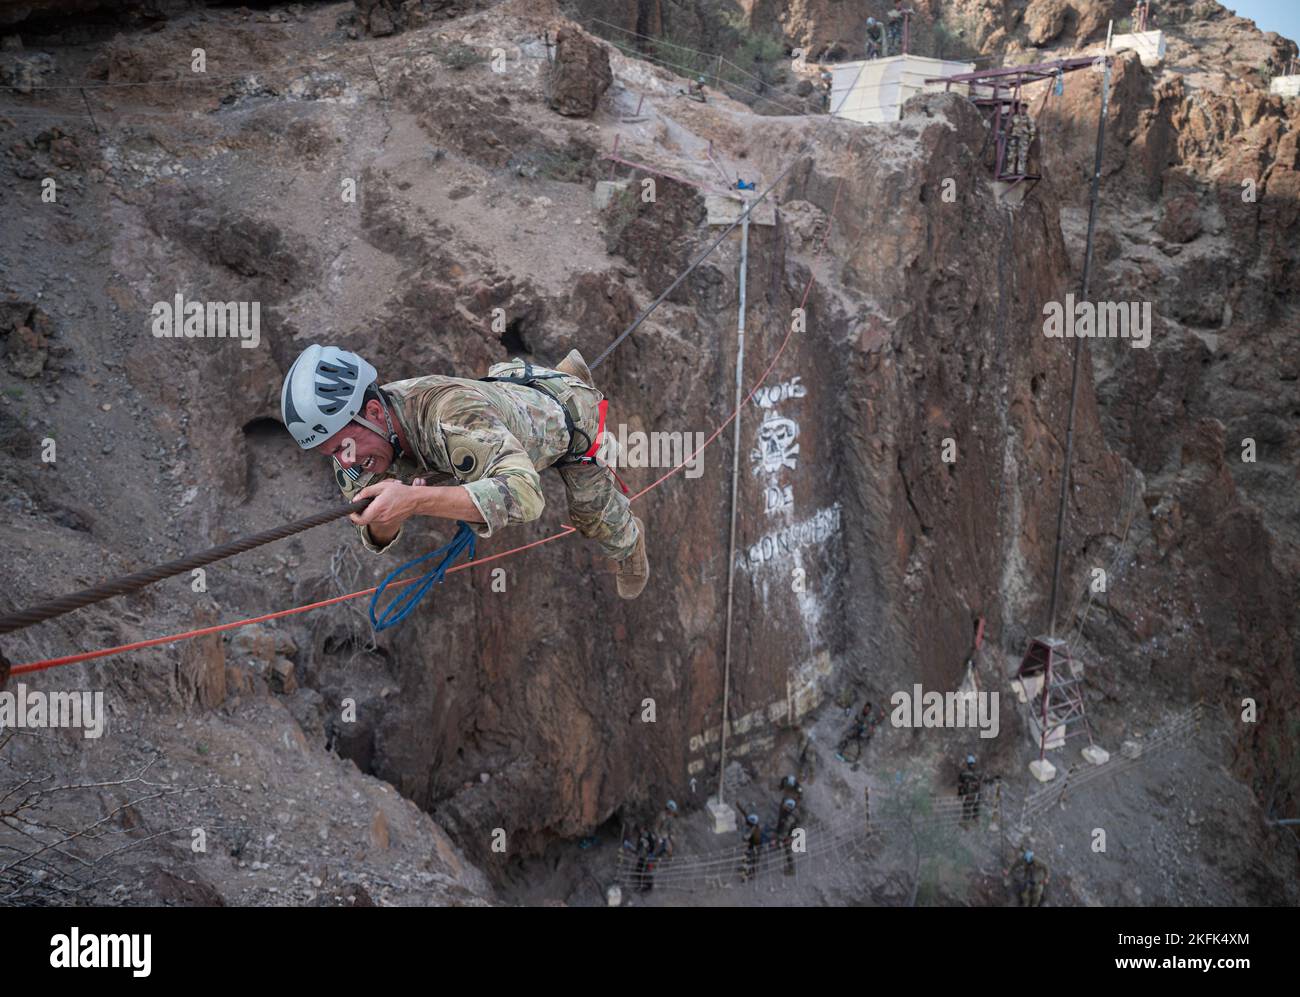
531, 379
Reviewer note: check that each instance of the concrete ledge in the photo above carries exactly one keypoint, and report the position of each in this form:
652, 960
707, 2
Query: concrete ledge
1149, 45
1043, 771
1285, 86
1096, 754
725, 210
724, 817
1131, 749
606, 191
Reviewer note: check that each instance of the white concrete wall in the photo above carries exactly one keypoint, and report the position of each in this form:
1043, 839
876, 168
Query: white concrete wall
876, 90
1285, 86
1149, 45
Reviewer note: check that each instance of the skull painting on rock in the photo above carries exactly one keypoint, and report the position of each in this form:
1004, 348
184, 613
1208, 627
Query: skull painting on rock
776, 444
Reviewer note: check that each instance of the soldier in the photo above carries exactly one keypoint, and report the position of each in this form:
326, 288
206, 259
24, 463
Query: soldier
657, 844
632, 847
1019, 139
785, 825
1034, 877
696, 90
826, 89
752, 836
663, 830
876, 39
643, 878
968, 788
480, 444
789, 786
896, 18
859, 734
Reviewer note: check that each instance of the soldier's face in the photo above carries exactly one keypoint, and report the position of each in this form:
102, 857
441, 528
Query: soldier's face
356, 445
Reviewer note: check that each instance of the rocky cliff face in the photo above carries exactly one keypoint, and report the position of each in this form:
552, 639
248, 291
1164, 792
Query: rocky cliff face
899, 471
1199, 220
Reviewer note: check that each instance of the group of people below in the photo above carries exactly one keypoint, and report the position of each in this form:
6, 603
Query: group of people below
1030, 876
754, 835
652, 840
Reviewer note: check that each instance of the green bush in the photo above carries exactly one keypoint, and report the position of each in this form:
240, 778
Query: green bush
457, 56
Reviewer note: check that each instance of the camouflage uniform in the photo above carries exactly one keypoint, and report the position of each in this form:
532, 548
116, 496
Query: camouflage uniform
645, 878
753, 839
968, 788
662, 834
1035, 881
493, 437
785, 825
895, 18
1020, 138
876, 44
859, 734
791, 787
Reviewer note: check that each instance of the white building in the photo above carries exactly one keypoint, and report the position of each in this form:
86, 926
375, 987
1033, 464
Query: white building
876, 90
1149, 45
1285, 86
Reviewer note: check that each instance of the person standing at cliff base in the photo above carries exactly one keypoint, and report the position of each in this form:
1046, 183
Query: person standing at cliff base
968, 788
1033, 877
471, 449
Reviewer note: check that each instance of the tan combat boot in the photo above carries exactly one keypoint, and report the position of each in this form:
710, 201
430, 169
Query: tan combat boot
634, 570
575, 365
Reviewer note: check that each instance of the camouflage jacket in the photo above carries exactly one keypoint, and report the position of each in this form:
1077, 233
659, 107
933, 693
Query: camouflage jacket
1035, 872
490, 436
786, 822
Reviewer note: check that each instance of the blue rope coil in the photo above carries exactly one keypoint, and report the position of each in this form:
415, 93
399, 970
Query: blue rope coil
400, 607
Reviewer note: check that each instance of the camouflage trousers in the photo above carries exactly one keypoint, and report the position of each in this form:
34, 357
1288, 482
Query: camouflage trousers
1031, 895
598, 508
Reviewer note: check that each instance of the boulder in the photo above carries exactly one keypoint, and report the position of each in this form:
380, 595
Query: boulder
580, 74
1045, 20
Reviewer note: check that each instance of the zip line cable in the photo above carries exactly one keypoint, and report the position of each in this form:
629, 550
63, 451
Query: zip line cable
132, 583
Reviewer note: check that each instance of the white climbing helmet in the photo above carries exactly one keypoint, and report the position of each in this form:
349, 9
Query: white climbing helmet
324, 391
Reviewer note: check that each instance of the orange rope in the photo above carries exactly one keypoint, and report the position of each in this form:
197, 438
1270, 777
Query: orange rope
72, 659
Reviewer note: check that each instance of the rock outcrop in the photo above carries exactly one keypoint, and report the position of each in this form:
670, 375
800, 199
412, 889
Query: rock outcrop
580, 74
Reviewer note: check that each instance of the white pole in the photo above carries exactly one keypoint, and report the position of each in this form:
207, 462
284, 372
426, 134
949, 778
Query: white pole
735, 494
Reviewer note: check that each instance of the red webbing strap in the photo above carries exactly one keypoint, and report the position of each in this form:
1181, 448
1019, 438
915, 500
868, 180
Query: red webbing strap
600, 430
